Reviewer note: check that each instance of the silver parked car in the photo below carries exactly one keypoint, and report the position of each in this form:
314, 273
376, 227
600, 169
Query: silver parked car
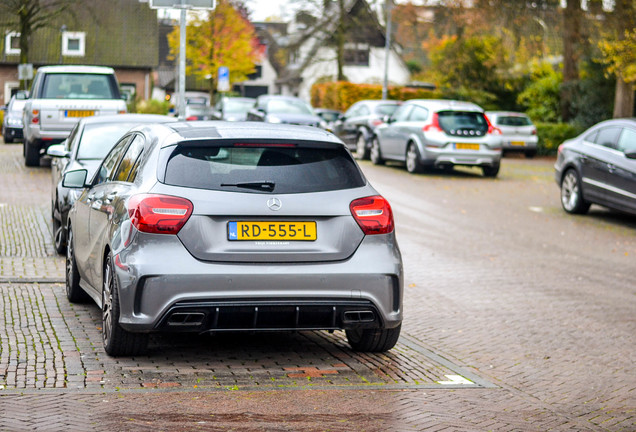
599, 167
518, 133
219, 226
427, 133
89, 142
12, 121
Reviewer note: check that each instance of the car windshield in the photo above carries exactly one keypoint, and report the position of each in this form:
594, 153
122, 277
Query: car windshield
513, 121
237, 105
454, 120
97, 140
386, 109
255, 168
288, 106
78, 86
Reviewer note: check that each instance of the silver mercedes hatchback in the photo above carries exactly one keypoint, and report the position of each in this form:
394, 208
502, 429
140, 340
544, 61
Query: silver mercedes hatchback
214, 226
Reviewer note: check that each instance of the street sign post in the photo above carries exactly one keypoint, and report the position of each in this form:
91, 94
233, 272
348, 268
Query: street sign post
223, 80
183, 5
25, 71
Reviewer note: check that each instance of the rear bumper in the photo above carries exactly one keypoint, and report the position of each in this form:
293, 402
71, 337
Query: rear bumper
186, 294
443, 157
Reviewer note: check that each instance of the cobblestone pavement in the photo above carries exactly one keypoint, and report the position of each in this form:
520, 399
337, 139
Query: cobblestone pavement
518, 317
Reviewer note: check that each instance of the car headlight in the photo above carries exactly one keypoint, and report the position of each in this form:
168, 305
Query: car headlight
274, 119
14, 122
323, 124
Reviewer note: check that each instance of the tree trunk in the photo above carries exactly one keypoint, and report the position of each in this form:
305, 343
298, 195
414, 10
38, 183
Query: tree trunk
623, 99
624, 96
340, 40
571, 55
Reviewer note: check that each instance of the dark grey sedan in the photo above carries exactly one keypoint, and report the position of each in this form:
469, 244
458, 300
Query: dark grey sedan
90, 140
599, 167
284, 109
218, 226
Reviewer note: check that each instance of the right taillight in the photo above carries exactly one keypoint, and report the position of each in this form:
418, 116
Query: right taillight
159, 214
373, 214
434, 125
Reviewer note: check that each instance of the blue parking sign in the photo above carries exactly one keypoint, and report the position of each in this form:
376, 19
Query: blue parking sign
223, 81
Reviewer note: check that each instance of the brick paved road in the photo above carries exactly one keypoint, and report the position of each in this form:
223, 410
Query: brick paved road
533, 307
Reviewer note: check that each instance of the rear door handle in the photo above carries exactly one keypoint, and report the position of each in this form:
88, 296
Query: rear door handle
611, 167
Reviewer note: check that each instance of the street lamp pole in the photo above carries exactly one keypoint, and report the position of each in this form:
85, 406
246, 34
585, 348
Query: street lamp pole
387, 49
182, 60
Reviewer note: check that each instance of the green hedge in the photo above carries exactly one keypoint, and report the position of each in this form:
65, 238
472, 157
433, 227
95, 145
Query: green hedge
551, 135
340, 95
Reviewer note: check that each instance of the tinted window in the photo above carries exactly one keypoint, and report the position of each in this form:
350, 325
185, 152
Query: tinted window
513, 121
402, 114
78, 86
458, 120
128, 161
386, 109
72, 136
418, 114
627, 140
591, 137
106, 170
608, 137
97, 139
295, 169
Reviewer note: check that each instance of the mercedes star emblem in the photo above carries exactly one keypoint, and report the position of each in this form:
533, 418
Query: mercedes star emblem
274, 204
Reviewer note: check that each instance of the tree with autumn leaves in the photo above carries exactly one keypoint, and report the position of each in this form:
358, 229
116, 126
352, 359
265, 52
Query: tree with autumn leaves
223, 37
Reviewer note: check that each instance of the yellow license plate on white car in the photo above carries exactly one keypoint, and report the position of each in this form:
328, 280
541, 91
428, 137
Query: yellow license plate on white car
79, 113
466, 146
294, 231
517, 143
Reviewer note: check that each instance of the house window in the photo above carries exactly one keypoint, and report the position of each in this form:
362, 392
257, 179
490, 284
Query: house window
356, 55
73, 44
12, 43
258, 73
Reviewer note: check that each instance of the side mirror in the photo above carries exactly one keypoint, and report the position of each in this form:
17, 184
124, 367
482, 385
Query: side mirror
387, 119
57, 150
75, 179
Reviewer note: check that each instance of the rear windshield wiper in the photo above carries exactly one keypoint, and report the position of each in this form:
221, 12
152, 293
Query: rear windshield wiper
264, 186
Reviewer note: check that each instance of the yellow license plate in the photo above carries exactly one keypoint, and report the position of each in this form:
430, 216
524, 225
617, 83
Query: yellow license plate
517, 143
80, 113
296, 231
466, 146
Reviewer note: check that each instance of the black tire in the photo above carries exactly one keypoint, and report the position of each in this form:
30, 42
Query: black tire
74, 292
413, 163
117, 341
59, 238
362, 149
490, 171
376, 154
7, 140
373, 340
530, 154
31, 154
572, 199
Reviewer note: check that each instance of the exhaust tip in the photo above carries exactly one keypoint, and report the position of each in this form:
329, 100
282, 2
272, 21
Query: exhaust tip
364, 316
186, 319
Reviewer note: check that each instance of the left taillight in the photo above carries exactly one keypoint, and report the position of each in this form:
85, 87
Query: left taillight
159, 214
373, 214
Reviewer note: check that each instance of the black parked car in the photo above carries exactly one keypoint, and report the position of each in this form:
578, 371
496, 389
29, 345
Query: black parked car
284, 109
357, 126
599, 167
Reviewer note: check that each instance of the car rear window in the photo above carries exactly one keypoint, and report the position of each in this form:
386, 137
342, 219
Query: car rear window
513, 121
262, 168
454, 121
78, 86
386, 109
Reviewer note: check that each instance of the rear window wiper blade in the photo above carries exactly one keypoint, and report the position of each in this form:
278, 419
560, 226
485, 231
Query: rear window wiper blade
262, 185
